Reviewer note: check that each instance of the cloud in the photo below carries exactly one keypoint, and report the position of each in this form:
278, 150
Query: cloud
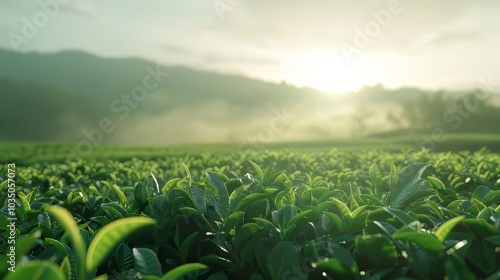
265, 39
17, 9
445, 38
83, 9
15, 5
176, 49
213, 58
328, 23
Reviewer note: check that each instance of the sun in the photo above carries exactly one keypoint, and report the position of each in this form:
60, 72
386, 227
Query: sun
324, 71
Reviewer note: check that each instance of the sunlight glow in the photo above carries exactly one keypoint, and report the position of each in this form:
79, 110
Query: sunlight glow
325, 71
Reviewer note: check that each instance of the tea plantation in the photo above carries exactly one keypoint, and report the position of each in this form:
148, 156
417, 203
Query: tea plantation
370, 214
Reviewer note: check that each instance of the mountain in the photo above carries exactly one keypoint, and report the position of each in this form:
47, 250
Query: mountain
56, 96
73, 96
105, 78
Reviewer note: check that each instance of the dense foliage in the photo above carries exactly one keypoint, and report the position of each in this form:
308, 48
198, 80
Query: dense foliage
250, 215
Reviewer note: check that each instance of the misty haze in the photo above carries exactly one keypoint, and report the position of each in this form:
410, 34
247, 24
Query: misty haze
254, 140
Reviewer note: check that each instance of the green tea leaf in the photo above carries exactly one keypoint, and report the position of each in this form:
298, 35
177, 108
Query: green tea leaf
124, 257
400, 215
37, 270
186, 245
375, 177
285, 214
443, 230
435, 183
282, 257
409, 181
378, 250
183, 270
140, 195
146, 262
221, 192
199, 199
70, 227
258, 170
219, 261
426, 241
108, 237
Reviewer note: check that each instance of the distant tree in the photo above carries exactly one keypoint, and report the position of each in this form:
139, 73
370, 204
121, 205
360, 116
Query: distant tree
427, 112
464, 113
359, 118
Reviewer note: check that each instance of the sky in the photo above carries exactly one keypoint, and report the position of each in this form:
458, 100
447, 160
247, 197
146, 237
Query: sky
332, 45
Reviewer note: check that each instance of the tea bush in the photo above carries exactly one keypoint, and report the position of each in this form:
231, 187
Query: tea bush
256, 215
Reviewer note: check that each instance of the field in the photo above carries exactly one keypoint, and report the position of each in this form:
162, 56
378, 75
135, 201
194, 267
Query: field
287, 212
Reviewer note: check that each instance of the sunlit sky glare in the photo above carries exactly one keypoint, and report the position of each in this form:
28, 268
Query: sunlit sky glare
431, 44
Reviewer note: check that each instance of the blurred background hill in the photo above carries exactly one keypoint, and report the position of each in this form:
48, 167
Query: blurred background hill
55, 96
